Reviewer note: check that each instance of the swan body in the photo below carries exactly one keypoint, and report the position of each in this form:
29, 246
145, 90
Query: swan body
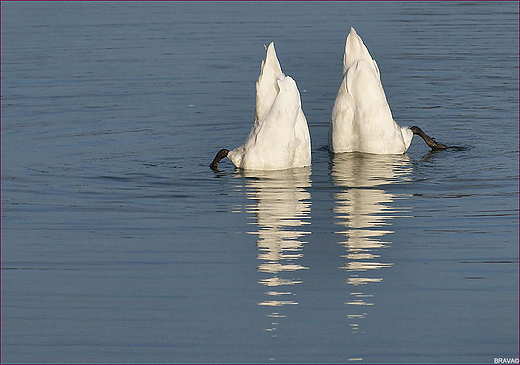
279, 138
361, 118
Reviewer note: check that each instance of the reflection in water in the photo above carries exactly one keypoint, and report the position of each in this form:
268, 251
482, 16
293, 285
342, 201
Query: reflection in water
364, 210
282, 207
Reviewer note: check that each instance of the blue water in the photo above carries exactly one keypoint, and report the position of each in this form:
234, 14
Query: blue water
120, 245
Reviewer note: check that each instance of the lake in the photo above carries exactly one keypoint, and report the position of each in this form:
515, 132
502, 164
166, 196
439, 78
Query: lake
121, 245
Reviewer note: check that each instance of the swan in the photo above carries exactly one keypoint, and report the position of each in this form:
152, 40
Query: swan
280, 137
361, 118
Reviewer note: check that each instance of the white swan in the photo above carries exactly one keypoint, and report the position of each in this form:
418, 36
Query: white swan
280, 136
361, 118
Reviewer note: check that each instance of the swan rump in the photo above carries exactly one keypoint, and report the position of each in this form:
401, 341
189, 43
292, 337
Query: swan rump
280, 136
361, 118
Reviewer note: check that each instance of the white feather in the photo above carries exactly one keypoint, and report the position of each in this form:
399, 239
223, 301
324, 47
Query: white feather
280, 136
361, 118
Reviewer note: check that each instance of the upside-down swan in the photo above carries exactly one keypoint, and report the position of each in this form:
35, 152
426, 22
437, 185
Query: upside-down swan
280, 136
361, 118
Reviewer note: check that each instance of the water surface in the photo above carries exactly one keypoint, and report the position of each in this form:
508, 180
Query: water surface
120, 245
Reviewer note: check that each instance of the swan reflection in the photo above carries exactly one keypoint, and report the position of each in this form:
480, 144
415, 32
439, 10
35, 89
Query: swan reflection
281, 205
364, 209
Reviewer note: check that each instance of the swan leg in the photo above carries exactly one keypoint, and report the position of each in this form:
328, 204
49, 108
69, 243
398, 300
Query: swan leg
220, 155
429, 141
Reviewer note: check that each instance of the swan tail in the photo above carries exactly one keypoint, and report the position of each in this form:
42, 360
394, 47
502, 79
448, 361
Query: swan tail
266, 85
356, 50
